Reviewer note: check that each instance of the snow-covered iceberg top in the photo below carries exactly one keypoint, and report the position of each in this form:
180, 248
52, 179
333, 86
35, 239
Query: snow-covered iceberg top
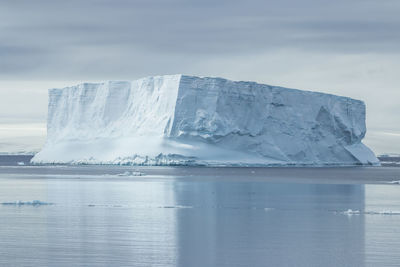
180, 120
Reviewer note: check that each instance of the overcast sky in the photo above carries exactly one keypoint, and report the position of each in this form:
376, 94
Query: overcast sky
346, 47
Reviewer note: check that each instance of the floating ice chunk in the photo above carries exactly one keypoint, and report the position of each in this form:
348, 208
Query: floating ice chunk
21, 163
176, 207
386, 212
357, 212
106, 205
131, 173
394, 182
351, 212
27, 203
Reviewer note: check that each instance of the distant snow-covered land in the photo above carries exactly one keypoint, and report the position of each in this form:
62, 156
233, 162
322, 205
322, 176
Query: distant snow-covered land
390, 160
186, 120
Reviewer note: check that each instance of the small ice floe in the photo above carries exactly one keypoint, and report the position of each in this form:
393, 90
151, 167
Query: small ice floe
394, 182
385, 212
176, 207
351, 212
268, 209
105, 205
26, 203
20, 163
131, 173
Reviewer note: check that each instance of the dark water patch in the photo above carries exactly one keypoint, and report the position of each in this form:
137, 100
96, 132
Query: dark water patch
15, 160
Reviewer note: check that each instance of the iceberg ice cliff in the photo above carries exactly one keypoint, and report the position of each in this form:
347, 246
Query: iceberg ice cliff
181, 120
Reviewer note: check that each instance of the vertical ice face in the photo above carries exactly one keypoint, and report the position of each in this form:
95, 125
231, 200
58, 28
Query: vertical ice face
284, 124
179, 119
112, 109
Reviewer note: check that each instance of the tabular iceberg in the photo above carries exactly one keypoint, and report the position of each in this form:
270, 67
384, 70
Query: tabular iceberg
187, 120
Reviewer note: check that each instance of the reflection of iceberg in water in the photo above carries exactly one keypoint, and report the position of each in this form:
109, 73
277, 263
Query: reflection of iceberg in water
205, 220
111, 223
299, 228
198, 221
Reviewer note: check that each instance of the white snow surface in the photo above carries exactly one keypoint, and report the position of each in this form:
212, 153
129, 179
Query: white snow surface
187, 120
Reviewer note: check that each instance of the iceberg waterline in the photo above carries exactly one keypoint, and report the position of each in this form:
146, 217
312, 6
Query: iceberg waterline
187, 120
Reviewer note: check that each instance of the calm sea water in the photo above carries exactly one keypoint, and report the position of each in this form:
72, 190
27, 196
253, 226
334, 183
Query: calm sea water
110, 216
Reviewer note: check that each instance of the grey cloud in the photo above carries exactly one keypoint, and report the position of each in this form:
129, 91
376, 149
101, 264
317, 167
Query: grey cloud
111, 39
